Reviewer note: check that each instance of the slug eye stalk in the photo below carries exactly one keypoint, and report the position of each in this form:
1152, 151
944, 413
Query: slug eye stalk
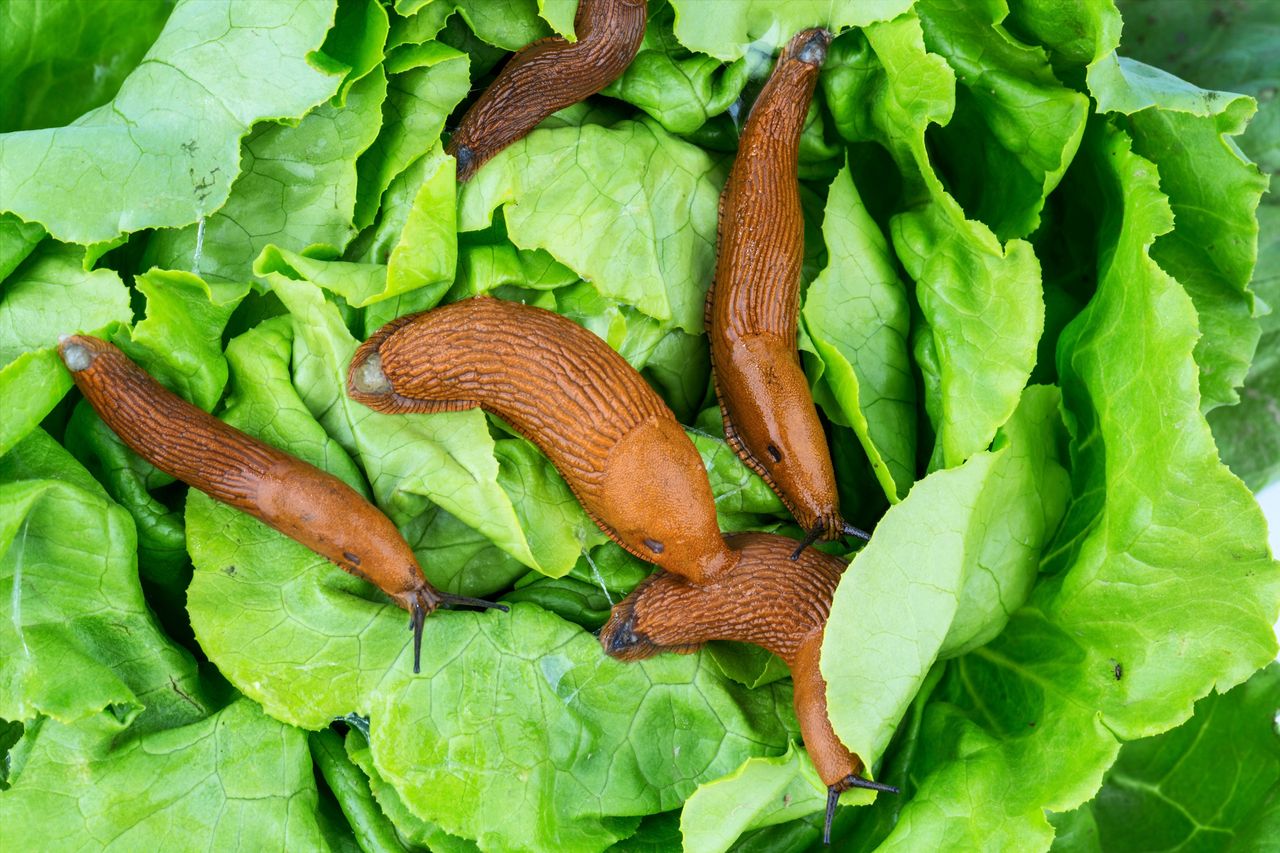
818, 530
833, 797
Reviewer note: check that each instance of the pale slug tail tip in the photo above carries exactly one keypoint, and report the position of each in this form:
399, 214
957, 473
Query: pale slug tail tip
75, 356
367, 377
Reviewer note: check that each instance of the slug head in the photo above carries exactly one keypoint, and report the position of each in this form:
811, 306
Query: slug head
777, 425
656, 499
808, 46
653, 609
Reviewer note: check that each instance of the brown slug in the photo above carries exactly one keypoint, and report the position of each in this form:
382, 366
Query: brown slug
769, 600
304, 503
753, 304
549, 75
615, 441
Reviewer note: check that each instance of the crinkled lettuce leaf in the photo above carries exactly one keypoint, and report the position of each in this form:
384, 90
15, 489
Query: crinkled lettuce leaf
500, 695
411, 828
678, 87
49, 295
425, 82
508, 24
297, 188
762, 792
77, 637
1015, 127
858, 319
953, 560
728, 29
981, 300
62, 58
1211, 783
234, 779
648, 198
1187, 131
1248, 434
138, 162
1160, 566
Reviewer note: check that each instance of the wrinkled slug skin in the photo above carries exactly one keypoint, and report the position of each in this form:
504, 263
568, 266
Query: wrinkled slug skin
767, 600
292, 496
549, 75
611, 436
753, 306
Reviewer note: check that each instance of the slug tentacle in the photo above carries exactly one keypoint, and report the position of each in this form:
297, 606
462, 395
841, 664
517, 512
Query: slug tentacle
549, 75
304, 503
753, 305
767, 600
617, 444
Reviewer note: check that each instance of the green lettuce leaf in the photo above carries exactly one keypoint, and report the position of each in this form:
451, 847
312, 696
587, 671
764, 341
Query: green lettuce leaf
1015, 127
424, 85
727, 29
982, 305
179, 342
630, 759
1248, 435
154, 166
49, 295
350, 787
77, 637
62, 58
417, 237
857, 318
297, 188
649, 198
762, 792
1186, 131
508, 24
953, 560
130, 481
417, 832
1160, 565
354, 45
234, 779
499, 694
679, 88
17, 240
1211, 783
52, 295
447, 459
1220, 46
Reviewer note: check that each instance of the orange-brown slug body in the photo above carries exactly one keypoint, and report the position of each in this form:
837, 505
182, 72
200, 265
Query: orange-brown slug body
304, 503
615, 441
753, 305
549, 75
769, 600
